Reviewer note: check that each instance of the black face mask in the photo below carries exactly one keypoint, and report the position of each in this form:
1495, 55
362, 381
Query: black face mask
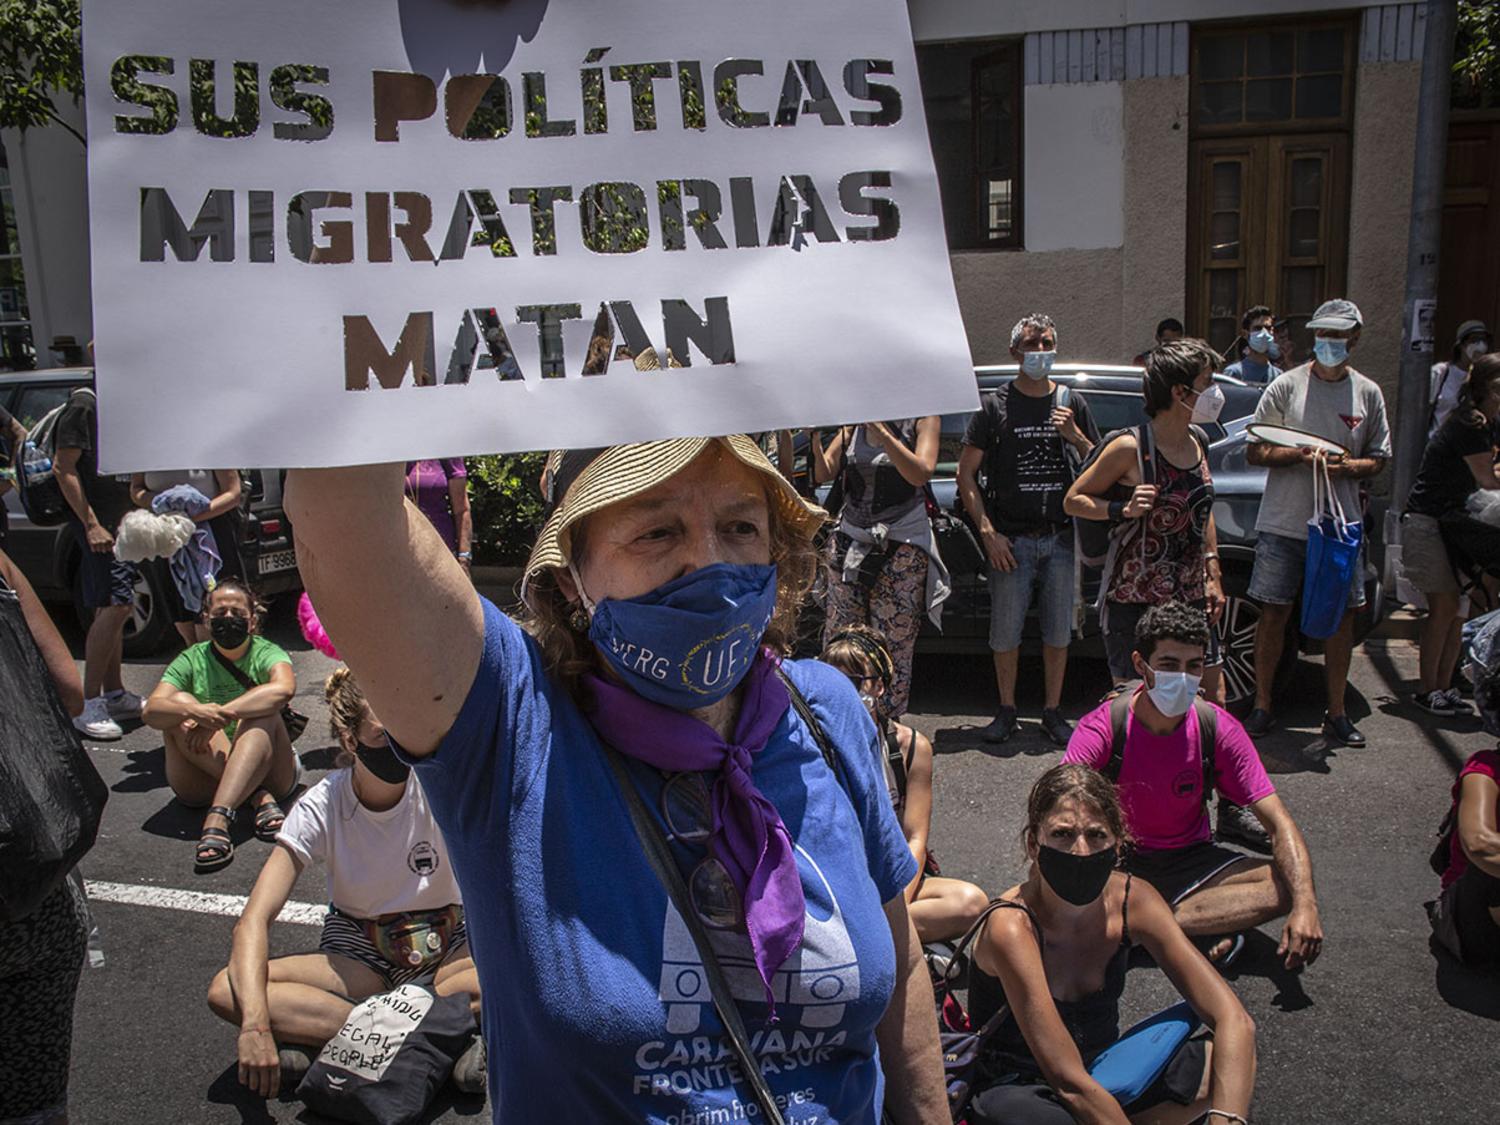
1078, 879
229, 631
383, 763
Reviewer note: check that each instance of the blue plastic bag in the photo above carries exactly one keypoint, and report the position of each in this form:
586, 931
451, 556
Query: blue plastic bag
1128, 1066
1333, 544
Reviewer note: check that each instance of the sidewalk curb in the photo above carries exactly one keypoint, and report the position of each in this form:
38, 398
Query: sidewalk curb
1402, 624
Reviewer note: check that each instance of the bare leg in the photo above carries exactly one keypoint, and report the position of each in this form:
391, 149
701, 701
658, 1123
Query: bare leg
102, 649
458, 974
1270, 638
1054, 668
194, 776
1337, 650
945, 908
1006, 664
1213, 684
1451, 647
309, 995
1442, 615
261, 754
1241, 898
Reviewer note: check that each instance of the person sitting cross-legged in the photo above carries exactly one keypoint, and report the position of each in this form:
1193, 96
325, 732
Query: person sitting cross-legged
219, 707
394, 914
1171, 749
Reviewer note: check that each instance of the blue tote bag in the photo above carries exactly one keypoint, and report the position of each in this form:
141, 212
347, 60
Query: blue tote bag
1333, 543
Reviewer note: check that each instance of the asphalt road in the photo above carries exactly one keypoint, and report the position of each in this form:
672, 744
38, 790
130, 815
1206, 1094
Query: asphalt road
1379, 1030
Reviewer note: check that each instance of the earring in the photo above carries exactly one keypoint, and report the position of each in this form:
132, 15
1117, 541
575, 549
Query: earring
578, 620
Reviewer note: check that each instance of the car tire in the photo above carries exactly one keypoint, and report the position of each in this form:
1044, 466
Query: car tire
150, 621
1239, 622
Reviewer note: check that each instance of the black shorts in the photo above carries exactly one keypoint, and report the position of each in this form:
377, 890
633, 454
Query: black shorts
1478, 935
106, 581
1178, 872
1035, 1103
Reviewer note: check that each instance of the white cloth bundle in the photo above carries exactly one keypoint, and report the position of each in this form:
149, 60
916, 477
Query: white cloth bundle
144, 535
1485, 505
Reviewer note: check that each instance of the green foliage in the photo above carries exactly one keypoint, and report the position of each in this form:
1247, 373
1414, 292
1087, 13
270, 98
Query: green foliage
1476, 63
41, 56
507, 506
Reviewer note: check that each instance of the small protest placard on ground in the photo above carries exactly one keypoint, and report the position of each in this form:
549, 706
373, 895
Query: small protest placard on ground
336, 231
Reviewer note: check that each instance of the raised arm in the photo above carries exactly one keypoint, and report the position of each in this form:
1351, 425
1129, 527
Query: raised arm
249, 957
1232, 1061
463, 518
1008, 949
49, 642
393, 598
826, 459
915, 465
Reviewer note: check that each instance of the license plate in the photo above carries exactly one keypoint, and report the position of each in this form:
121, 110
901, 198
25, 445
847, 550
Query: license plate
277, 560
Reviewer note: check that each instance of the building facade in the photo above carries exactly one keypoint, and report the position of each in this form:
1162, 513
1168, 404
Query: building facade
1112, 162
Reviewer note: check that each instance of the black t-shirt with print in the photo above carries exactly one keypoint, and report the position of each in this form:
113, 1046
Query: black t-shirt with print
1025, 464
1445, 481
78, 428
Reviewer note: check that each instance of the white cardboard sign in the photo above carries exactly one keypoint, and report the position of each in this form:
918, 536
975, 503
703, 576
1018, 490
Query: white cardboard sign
339, 231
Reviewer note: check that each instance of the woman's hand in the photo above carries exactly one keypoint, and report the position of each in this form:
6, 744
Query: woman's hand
879, 435
260, 1066
1141, 501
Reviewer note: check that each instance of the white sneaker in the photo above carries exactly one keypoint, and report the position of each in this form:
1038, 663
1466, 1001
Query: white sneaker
95, 722
124, 704
1456, 702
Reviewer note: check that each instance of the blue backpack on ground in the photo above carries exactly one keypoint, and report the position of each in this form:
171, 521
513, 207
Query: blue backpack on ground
1129, 1065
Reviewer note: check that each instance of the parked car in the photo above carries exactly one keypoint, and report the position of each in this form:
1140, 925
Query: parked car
48, 556
1114, 398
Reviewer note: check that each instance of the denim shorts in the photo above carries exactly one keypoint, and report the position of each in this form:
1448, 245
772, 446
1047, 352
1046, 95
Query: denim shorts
106, 580
1279, 564
1044, 572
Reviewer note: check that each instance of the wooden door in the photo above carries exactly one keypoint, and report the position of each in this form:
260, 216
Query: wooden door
1469, 256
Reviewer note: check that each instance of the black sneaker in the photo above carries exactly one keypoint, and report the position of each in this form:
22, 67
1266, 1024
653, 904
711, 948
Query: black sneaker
1002, 728
1433, 702
1343, 729
1238, 825
1259, 722
1055, 727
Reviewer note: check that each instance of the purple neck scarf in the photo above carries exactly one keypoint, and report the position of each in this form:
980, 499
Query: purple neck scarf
748, 838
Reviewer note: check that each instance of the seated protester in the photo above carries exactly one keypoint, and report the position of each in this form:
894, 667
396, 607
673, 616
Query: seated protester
225, 741
1474, 860
943, 909
1057, 958
368, 824
1160, 768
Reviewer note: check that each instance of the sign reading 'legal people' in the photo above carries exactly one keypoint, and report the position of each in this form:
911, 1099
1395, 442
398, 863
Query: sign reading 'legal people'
336, 231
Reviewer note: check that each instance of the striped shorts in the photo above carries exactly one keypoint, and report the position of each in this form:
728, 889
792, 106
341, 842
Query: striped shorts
346, 936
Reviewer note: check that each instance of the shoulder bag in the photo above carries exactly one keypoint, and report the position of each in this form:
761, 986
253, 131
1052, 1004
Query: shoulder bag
296, 721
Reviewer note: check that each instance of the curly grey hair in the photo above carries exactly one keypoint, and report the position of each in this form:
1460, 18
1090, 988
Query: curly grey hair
1039, 321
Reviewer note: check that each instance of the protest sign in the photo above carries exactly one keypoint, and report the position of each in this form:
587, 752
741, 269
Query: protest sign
335, 231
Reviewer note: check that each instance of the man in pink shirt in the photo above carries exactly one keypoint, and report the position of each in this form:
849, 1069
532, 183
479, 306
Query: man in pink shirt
1161, 774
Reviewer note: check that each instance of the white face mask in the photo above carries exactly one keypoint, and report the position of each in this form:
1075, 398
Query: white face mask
1261, 340
1209, 404
1173, 692
1038, 364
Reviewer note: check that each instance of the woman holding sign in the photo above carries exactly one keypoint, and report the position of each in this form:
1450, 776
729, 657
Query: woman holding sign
681, 871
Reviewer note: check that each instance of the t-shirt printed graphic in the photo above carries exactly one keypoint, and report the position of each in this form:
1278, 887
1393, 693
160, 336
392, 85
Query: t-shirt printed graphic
1025, 458
557, 888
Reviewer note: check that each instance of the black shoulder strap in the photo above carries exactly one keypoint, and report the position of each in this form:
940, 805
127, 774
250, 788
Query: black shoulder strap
1145, 451
820, 736
229, 666
896, 758
659, 853
1208, 734
1119, 714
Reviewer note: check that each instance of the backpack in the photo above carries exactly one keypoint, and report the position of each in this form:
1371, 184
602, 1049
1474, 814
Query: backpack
36, 477
1062, 396
1208, 732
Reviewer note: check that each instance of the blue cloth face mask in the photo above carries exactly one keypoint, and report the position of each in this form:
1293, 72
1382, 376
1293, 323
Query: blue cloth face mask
690, 642
1038, 364
1262, 341
1173, 692
1330, 352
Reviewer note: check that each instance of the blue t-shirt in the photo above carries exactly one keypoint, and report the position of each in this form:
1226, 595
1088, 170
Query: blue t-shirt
595, 1004
1252, 370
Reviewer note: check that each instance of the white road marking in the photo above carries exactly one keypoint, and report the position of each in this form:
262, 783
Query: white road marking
198, 902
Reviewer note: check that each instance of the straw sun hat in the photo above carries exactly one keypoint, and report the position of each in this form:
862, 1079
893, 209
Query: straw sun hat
583, 481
